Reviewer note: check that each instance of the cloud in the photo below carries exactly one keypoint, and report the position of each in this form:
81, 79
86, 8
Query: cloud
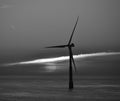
12, 27
5, 6
62, 58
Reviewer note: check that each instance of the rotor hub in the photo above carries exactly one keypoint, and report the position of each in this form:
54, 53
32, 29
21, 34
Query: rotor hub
72, 45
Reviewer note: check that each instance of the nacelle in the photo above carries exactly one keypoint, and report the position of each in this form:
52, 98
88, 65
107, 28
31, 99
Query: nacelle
72, 45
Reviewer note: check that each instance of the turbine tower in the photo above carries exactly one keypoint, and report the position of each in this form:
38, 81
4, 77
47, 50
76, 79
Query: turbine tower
71, 59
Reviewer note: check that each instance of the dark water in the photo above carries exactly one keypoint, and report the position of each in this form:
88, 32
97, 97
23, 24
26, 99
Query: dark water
55, 88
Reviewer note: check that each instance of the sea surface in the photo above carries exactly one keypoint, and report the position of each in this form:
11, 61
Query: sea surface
97, 79
55, 88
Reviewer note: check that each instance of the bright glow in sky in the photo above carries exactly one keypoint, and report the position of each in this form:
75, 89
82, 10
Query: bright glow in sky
63, 58
52, 64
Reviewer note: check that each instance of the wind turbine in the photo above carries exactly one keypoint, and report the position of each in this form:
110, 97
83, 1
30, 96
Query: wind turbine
71, 59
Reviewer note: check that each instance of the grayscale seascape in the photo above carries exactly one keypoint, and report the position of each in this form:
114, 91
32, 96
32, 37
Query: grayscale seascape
59, 50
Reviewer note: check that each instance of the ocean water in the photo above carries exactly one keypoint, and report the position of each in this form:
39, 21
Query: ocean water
97, 79
55, 88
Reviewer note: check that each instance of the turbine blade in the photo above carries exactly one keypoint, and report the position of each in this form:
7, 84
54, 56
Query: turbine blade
73, 61
73, 31
60, 46
74, 64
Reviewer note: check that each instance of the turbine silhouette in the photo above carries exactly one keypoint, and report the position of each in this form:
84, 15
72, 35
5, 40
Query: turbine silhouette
71, 59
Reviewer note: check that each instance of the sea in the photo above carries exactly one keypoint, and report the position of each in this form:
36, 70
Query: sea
96, 79
55, 88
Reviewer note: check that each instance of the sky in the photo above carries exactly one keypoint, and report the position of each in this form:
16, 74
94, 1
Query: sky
27, 26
